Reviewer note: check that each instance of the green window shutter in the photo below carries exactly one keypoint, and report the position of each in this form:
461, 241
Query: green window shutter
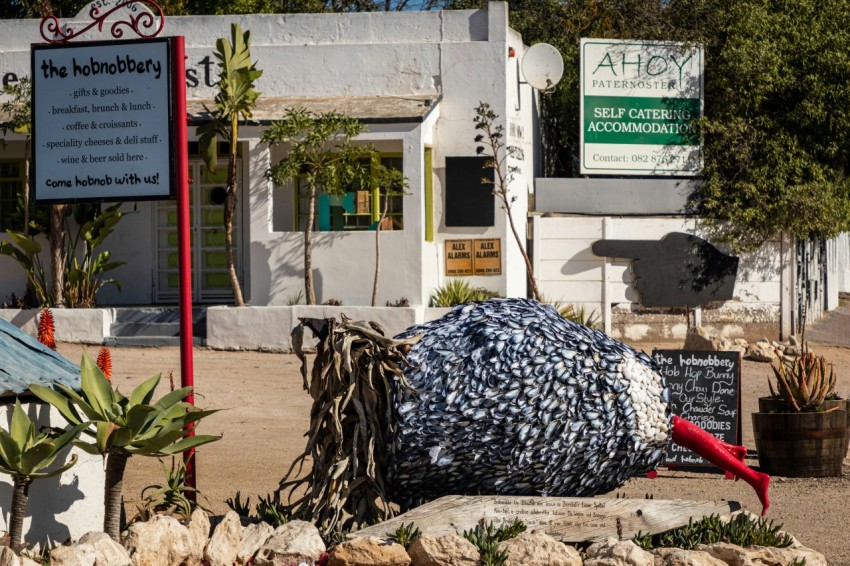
429, 196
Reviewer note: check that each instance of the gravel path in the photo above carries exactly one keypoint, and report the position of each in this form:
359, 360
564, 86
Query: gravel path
266, 415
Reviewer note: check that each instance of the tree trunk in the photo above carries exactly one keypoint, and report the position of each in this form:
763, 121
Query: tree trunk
378, 248
529, 269
30, 296
229, 212
116, 461
20, 496
57, 252
309, 290
26, 195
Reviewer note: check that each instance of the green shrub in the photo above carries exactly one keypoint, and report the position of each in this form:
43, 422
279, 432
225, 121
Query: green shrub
405, 535
741, 530
458, 292
486, 538
266, 511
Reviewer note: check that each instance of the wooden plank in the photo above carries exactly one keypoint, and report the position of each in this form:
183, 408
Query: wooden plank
569, 519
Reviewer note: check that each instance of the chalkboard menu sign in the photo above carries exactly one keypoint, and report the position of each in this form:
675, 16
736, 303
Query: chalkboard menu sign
705, 388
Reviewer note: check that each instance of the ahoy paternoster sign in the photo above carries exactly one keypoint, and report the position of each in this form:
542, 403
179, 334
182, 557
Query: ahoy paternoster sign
641, 102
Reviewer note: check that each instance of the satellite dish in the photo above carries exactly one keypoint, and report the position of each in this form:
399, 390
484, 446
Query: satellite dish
542, 66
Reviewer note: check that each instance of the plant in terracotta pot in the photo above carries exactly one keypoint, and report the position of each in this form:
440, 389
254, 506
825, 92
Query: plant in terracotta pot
799, 430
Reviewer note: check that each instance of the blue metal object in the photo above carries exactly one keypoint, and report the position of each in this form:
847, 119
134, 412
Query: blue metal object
25, 360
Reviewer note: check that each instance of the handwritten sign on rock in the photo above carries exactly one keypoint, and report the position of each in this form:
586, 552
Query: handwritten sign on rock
102, 117
705, 389
569, 519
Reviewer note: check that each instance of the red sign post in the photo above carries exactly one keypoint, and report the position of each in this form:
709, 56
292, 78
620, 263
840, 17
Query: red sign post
116, 172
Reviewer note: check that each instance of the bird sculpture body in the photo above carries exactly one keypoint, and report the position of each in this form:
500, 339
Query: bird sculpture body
512, 398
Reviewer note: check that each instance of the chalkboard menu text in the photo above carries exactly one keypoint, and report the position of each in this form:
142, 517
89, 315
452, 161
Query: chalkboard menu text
705, 389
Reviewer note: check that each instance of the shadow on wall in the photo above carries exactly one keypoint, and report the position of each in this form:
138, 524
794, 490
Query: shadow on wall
275, 263
50, 499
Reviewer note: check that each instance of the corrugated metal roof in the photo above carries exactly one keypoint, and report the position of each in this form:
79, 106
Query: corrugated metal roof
367, 109
25, 360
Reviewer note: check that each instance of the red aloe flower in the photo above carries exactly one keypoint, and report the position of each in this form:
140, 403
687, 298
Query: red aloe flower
46, 329
104, 362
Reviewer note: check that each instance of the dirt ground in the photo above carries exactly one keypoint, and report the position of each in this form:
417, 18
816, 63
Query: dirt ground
265, 414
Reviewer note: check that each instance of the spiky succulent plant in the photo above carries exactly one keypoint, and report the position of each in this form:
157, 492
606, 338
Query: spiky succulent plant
25, 456
123, 426
803, 382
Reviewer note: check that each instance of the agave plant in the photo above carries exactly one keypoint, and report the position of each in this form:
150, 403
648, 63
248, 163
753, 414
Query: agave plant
25, 455
124, 426
804, 382
458, 292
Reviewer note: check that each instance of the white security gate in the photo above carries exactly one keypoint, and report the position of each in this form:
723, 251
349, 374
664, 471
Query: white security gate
210, 281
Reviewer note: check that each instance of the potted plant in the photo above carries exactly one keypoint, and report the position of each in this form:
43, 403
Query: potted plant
801, 429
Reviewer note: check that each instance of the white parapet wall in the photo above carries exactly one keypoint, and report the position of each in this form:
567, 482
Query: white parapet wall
270, 328
62, 507
84, 326
569, 272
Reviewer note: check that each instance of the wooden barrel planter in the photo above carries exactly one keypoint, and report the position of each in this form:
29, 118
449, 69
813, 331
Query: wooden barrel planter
801, 444
776, 405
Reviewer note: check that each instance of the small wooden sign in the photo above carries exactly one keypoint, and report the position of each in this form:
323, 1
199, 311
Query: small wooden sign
569, 519
458, 257
488, 257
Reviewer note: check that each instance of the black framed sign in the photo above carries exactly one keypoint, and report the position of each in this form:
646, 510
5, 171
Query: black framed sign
103, 121
705, 388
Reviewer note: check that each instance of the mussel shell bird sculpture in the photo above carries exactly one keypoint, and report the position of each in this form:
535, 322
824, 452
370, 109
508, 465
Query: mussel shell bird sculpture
512, 398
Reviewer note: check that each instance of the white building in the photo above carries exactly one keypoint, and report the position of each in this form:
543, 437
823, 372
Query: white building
413, 78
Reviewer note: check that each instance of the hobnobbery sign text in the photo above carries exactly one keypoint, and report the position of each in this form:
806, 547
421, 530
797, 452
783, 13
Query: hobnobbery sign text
102, 121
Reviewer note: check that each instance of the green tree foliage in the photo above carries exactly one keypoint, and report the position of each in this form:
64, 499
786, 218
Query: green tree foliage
64, 9
16, 9
306, 6
777, 124
235, 101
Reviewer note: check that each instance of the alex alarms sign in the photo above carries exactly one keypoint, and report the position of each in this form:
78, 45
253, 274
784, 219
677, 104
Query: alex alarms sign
641, 102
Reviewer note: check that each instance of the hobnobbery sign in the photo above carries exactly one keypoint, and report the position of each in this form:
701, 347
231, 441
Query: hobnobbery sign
640, 106
102, 121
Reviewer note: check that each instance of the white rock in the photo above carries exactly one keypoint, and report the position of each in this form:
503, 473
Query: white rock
680, 557
254, 536
199, 534
539, 549
74, 555
8, 557
448, 550
296, 541
161, 541
618, 553
107, 551
223, 546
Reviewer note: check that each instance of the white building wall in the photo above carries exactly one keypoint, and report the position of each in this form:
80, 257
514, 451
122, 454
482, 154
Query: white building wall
460, 56
568, 271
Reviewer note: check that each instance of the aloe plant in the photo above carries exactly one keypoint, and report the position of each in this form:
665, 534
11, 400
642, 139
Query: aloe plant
804, 382
124, 426
25, 455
